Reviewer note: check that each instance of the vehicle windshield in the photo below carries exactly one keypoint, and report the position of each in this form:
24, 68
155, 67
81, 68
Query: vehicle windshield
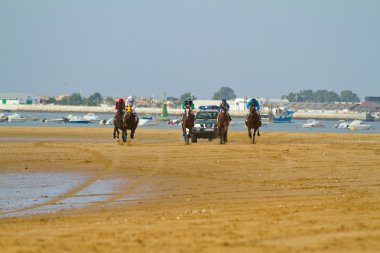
206, 115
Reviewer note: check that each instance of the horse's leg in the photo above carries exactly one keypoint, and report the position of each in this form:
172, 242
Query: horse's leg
221, 133
114, 132
258, 131
134, 129
249, 132
254, 133
184, 131
124, 132
225, 135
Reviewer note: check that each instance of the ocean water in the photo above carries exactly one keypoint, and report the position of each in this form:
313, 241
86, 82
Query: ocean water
34, 119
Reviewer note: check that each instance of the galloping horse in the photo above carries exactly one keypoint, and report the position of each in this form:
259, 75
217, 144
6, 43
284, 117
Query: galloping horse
119, 124
187, 124
130, 122
253, 121
223, 123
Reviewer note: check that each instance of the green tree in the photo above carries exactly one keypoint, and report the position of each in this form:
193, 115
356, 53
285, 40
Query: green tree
292, 97
185, 95
110, 100
51, 100
75, 99
63, 101
224, 92
324, 96
95, 99
305, 96
348, 96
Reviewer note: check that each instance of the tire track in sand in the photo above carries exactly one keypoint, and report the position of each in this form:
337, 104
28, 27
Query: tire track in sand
99, 158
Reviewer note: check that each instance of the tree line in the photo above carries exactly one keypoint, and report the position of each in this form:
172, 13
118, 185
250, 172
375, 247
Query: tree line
321, 96
96, 99
76, 99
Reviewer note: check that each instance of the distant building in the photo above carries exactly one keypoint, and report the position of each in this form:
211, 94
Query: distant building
18, 98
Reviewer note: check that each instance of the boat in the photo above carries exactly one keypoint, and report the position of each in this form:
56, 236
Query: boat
312, 123
106, 121
90, 117
15, 117
59, 120
359, 125
265, 118
76, 119
281, 115
342, 125
176, 121
147, 120
3, 117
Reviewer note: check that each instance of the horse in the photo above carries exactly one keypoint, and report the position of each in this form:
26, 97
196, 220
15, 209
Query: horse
223, 123
253, 121
130, 122
187, 124
119, 124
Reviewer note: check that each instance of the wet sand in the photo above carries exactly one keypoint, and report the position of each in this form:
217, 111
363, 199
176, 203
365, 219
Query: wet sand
289, 192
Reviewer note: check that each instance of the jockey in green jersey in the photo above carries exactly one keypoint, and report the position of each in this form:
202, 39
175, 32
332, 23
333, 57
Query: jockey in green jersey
187, 103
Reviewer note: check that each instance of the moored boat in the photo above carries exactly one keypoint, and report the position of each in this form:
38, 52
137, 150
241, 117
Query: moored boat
147, 120
90, 117
281, 115
15, 117
77, 119
312, 123
359, 125
342, 125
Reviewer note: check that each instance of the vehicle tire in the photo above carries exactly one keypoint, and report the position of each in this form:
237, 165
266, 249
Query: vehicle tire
194, 139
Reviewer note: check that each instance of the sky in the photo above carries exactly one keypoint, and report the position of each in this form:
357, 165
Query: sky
146, 48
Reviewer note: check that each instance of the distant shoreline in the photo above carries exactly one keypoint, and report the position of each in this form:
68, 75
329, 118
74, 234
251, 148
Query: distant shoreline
301, 114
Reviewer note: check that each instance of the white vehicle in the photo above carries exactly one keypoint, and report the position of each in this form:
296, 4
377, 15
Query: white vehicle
311, 123
359, 125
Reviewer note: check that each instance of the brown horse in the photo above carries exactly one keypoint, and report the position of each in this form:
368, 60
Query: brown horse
187, 124
130, 122
223, 123
253, 121
119, 124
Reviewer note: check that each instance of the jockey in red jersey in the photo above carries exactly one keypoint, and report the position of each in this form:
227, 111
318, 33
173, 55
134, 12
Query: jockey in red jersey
120, 103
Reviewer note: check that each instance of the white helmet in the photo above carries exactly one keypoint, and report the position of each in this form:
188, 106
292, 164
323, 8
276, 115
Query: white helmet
130, 98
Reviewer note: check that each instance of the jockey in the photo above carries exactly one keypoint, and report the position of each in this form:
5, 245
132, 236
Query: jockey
255, 103
224, 104
121, 103
188, 102
130, 101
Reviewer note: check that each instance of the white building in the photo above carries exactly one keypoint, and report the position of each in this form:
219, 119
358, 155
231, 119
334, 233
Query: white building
18, 98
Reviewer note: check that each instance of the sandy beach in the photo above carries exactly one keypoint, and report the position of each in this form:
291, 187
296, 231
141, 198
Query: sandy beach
289, 192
